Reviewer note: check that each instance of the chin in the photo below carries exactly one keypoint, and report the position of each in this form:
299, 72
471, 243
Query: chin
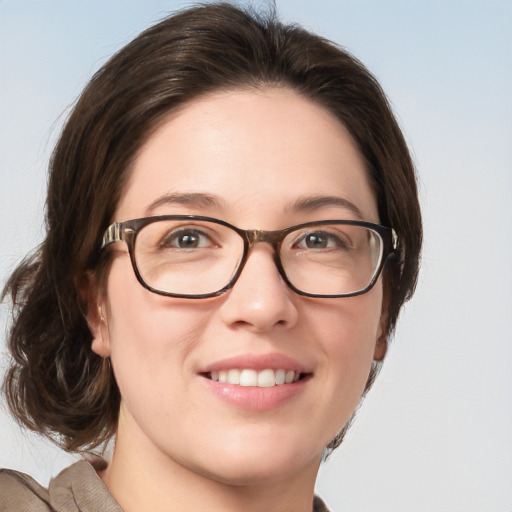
260, 473
259, 463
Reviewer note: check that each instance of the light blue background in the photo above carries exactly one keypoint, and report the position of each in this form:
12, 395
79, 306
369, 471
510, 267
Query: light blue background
435, 434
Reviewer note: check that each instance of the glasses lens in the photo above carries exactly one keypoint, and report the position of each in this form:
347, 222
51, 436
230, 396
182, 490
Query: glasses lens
187, 257
331, 259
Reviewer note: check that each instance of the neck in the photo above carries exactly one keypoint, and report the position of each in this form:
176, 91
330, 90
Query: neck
141, 478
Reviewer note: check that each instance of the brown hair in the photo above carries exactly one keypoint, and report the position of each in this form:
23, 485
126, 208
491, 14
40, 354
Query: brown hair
56, 385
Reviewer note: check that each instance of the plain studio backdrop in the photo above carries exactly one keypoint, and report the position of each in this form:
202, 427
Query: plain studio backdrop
435, 433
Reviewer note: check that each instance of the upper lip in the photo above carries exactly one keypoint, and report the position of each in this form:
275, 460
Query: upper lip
258, 362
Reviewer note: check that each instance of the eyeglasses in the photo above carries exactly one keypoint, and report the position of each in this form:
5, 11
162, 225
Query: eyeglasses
196, 257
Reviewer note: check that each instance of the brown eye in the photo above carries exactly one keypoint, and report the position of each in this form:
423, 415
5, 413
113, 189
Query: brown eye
321, 240
186, 239
316, 241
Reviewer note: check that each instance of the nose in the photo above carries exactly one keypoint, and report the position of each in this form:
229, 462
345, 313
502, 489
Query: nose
260, 300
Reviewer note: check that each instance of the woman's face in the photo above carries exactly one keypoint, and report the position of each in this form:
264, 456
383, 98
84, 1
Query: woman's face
253, 159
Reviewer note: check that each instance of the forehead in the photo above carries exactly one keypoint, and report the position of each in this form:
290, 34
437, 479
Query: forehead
256, 152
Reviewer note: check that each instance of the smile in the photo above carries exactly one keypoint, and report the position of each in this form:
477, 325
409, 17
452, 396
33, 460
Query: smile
252, 378
254, 382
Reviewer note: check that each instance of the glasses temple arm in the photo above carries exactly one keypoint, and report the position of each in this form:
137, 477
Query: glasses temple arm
394, 239
112, 234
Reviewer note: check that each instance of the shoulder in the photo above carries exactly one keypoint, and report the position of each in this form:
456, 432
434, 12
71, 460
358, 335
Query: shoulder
21, 492
77, 488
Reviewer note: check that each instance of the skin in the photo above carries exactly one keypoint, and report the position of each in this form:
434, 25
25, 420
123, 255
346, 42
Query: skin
180, 447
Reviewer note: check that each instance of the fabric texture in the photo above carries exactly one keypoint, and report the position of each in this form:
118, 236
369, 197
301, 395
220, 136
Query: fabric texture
77, 488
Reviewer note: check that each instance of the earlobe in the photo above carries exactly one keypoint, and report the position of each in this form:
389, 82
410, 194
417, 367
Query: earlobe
381, 345
99, 329
94, 314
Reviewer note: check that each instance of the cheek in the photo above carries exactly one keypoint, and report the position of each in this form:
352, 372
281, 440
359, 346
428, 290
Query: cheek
150, 336
347, 332
348, 325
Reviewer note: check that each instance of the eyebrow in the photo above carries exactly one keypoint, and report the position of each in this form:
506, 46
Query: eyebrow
315, 202
195, 199
204, 200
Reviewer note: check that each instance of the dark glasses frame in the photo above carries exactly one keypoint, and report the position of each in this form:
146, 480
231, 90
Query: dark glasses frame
127, 232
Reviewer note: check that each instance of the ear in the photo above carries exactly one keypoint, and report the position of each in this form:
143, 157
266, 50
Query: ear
95, 313
381, 345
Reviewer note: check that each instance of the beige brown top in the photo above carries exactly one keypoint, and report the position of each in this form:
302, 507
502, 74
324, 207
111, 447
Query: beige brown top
77, 488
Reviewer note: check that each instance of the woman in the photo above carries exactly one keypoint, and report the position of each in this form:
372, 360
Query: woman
232, 229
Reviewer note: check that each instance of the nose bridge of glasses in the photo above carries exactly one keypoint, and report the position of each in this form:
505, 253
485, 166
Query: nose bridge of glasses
255, 236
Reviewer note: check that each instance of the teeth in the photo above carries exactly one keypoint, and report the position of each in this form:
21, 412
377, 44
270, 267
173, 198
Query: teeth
234, 377
266, 379
263, 379
248, 378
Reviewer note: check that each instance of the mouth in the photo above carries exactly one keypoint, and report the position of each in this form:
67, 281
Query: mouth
258, 382
248, 377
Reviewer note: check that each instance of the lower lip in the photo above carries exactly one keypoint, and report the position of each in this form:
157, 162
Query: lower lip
255, 398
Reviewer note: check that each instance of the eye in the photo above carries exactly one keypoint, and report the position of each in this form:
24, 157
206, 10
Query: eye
321, 240
186, 238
